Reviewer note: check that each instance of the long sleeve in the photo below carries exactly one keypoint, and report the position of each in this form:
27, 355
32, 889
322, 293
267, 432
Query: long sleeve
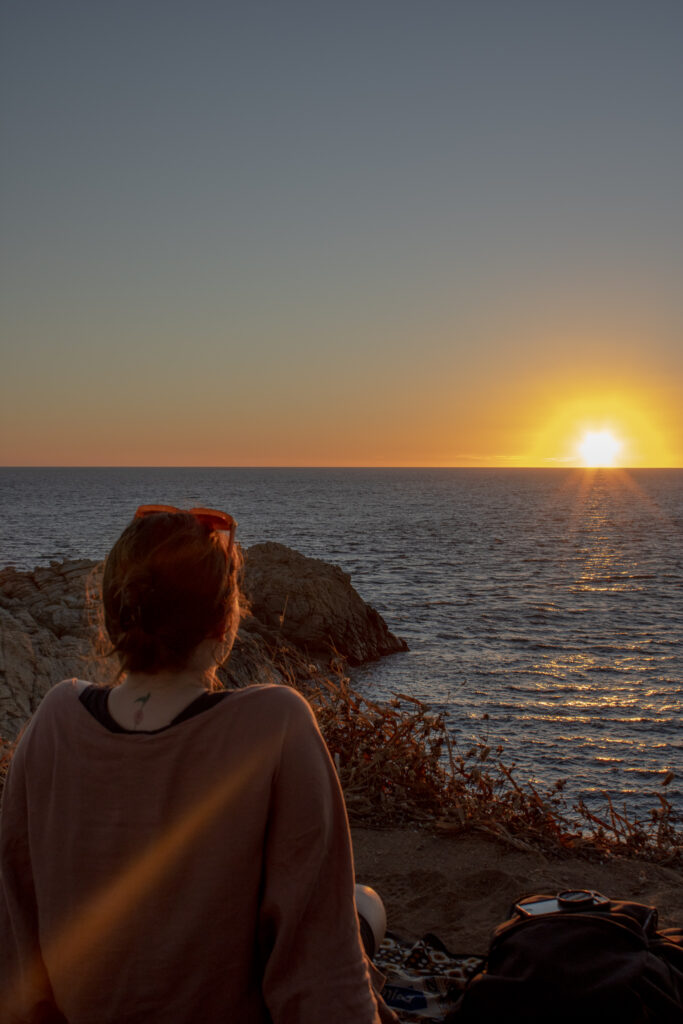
25, 992
314, 968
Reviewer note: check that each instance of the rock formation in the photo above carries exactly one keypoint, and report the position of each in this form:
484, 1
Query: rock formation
314, 606
300, 616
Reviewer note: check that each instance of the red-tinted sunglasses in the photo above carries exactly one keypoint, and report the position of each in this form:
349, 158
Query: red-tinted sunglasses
210, 517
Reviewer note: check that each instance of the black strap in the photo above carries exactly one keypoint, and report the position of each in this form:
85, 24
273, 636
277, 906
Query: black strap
95, 699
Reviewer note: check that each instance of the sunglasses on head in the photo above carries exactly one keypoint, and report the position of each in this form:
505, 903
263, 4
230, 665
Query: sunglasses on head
208, 516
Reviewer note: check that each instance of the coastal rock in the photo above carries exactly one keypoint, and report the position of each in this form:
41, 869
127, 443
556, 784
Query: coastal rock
48, 632
313, 605
32, 659
50, 628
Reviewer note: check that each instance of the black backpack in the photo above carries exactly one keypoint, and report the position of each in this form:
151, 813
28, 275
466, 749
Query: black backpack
577, 957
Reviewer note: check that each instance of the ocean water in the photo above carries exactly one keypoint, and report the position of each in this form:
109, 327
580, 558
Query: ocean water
550, 601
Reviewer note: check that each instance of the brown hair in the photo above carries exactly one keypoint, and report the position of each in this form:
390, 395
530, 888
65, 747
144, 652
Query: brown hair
168, 585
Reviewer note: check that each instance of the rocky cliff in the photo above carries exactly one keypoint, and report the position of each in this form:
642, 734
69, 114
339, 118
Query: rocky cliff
300, 616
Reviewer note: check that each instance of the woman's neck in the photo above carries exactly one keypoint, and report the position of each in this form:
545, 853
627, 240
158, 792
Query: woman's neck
147, 702
165, 682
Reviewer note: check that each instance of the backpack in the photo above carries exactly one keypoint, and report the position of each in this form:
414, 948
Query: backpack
577, 960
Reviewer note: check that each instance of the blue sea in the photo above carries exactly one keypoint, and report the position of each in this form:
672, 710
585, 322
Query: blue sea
550, 601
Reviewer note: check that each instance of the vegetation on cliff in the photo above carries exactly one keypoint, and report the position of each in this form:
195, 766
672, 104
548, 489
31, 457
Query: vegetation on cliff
398, 764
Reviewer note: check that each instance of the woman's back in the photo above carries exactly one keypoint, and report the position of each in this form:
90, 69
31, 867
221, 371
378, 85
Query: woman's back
198, 872
202, 872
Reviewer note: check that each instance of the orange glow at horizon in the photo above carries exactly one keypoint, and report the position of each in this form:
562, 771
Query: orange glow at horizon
540, 422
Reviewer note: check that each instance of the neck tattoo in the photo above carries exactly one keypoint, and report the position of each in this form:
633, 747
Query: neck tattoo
140, 711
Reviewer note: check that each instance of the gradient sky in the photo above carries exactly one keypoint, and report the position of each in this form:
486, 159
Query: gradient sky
340, 233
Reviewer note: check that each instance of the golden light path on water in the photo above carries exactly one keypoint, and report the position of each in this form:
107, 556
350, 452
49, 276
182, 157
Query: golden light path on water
555, 621
607, 568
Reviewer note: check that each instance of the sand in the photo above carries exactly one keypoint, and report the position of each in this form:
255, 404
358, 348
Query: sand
460, 887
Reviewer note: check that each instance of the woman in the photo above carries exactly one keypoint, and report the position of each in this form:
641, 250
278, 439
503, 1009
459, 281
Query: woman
169, 852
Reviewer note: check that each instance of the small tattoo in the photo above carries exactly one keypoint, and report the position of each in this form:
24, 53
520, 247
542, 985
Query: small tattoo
139, 712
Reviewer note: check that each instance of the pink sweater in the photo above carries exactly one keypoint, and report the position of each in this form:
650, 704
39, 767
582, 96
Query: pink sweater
200, 874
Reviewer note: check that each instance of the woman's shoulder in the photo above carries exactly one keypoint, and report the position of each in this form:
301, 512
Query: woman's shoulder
277, 697
57, 702
271, 714
272, 708
52, 714
65, 691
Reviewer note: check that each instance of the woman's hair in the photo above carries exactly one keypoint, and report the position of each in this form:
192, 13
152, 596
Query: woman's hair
168, 584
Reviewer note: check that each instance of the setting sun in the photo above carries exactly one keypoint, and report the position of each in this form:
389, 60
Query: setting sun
599, 448
623, 426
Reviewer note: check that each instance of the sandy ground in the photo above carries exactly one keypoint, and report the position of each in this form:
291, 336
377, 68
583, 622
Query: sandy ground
460, 887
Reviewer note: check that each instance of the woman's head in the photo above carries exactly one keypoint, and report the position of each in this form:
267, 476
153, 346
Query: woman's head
170, 583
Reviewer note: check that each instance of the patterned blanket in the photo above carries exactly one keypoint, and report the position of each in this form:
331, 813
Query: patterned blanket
424, 980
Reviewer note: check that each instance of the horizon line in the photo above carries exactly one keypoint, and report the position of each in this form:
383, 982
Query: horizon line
338, 466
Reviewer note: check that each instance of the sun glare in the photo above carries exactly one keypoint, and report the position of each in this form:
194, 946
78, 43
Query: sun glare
599, 448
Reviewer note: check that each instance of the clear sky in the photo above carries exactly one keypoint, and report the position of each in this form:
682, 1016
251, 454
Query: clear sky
369, 232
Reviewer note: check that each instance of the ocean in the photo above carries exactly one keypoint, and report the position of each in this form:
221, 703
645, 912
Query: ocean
542, 608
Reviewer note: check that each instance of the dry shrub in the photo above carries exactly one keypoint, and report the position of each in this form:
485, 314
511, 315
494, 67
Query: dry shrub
398, 764
389, 757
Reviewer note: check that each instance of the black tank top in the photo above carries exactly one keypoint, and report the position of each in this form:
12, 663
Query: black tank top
95, 698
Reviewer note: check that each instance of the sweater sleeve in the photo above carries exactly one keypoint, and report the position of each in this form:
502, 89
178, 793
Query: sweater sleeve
25, 991
314, 966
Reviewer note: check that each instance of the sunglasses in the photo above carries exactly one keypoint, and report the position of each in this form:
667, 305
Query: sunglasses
208, 516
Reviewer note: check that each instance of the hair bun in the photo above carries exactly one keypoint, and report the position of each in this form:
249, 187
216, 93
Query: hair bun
137, 607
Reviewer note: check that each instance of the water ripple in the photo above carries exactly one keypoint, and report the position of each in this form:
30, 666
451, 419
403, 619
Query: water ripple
550, 601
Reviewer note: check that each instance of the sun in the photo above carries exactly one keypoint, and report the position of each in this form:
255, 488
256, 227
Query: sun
599, 448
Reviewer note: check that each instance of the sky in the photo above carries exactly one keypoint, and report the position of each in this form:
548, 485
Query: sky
377, 232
